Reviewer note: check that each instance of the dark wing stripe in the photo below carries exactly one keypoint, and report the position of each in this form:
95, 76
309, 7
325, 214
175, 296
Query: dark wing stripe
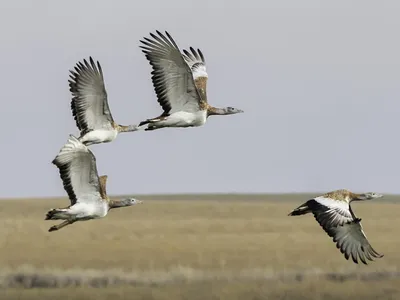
153, 45
64, 170
171, 39
198, 54
194, 55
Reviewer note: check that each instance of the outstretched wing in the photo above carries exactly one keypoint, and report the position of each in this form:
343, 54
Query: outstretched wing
352, 241
78, 171
172, 77
339, 222
195, 60
89, 103
329, 212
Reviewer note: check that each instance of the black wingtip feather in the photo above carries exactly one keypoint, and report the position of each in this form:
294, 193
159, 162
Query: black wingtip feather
201, 55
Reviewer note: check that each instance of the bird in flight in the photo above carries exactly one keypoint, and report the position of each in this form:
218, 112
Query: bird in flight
334, 214
180, 83
89, 105
85, 189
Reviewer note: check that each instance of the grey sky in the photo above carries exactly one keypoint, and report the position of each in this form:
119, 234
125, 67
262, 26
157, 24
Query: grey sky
319, 82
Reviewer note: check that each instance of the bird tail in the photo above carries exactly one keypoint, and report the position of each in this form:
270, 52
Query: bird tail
153, 120
144, 122
57, 214
301, 210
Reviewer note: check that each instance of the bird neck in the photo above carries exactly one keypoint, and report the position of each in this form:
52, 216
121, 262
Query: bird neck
122, 128
212, 111
360, 197
115, 203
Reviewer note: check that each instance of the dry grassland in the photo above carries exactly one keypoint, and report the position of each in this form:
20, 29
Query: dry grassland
217, 247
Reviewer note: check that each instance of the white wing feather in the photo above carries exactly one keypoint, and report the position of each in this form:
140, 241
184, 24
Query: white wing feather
333, 212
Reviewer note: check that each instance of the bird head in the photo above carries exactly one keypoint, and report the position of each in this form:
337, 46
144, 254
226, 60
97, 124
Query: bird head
231, 110
368, 196
127, 202
133, 201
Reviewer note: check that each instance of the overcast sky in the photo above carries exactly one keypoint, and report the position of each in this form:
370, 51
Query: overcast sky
319, 82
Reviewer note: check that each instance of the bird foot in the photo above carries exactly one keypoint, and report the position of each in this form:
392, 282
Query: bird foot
53, 228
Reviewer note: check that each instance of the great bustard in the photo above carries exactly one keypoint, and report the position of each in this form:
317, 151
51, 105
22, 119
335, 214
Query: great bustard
180, 83
85, 189
334, 214
90, 105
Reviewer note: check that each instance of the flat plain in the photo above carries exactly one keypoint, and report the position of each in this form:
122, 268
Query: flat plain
194, 247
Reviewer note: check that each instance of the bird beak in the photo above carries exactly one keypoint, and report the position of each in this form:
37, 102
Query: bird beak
240, 111
139, 201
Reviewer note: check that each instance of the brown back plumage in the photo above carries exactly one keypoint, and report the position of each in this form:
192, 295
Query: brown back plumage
103, 187
340, 195
201, 85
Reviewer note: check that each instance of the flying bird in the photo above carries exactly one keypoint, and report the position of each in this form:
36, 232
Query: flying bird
89, 105
86, 190
180, 83
334, 214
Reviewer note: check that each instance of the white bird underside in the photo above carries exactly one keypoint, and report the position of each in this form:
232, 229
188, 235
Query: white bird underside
181, 119
82, 212
99, 136
340, 223
78, 171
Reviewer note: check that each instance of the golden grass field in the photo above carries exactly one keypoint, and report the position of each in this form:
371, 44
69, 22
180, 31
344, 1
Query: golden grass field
194, 247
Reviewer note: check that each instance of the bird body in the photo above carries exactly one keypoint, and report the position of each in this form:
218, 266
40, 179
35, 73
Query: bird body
90, 107
178, 119
334, 214
85, 189
99, 136
82, 211
180, 83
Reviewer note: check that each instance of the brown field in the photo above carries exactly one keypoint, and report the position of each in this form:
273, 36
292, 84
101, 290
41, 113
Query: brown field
189, 247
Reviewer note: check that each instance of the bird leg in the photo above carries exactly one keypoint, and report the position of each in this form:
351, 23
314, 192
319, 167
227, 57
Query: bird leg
61, 225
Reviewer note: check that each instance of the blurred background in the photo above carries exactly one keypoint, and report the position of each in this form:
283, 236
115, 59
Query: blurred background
318, 81
319, 84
